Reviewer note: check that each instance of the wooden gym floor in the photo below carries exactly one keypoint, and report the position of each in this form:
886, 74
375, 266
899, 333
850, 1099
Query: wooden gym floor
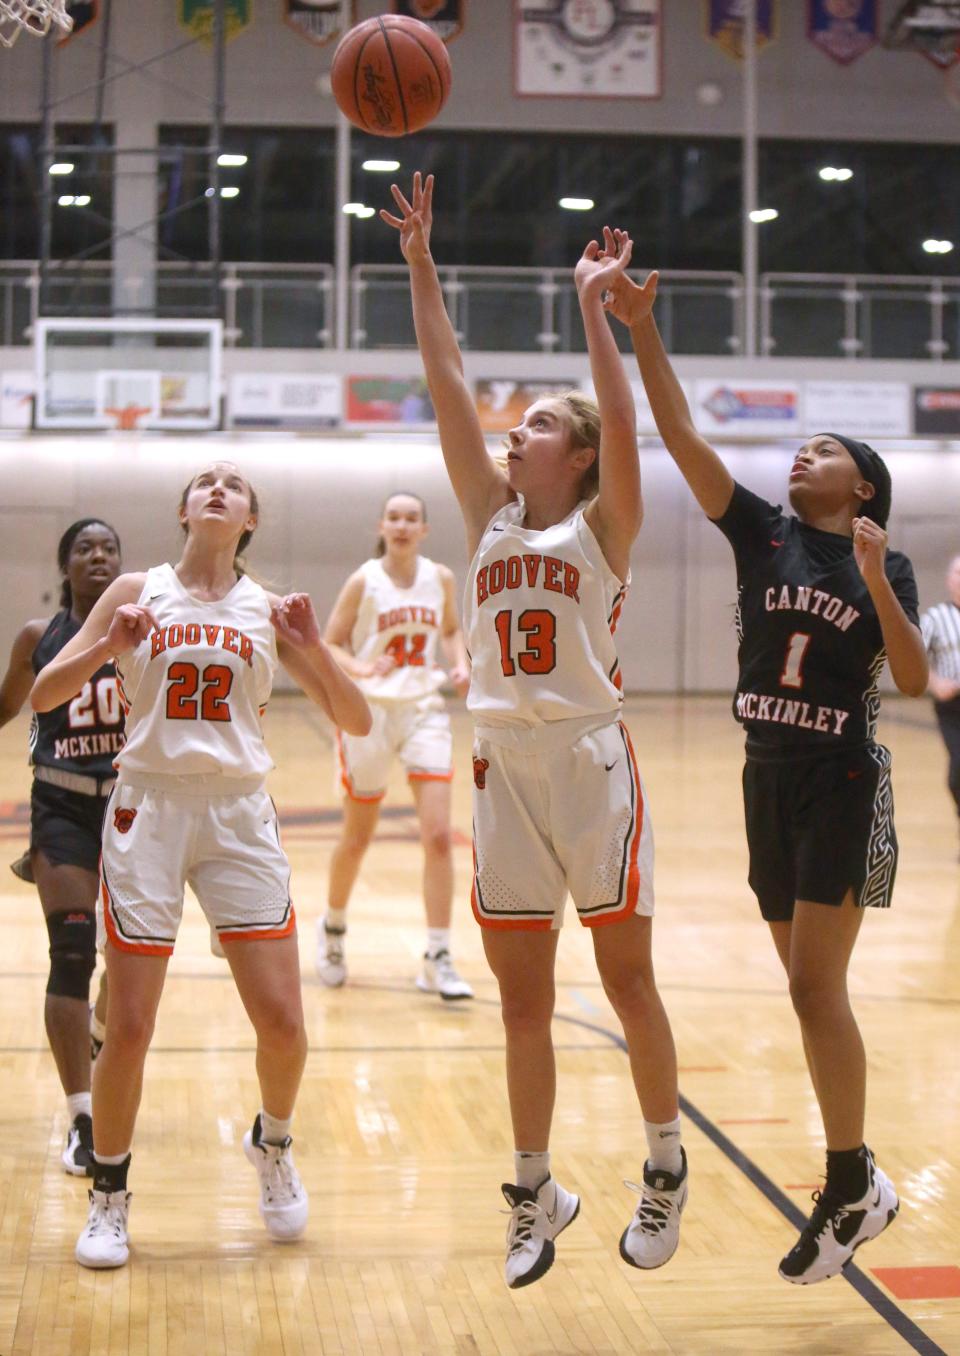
402, 1133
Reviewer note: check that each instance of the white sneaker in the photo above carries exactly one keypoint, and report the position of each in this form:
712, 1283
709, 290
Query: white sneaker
77, 1156
536, 1217
331, 966
104, 1241
837, 1228
440, 976
283, 1201
651, 1237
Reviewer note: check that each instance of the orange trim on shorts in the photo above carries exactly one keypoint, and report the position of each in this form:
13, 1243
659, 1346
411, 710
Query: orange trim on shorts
347, 784
633, 870
268, 934
113, 936
503, 924
430, 776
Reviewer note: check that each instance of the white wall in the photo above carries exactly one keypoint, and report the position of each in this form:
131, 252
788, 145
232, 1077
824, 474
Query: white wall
275, 77
320, 501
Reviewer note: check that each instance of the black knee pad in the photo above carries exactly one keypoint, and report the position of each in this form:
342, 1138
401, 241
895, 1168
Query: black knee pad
73, 953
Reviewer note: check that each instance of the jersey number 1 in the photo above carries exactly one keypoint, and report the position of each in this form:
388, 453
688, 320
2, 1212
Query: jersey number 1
793, 664
182, 702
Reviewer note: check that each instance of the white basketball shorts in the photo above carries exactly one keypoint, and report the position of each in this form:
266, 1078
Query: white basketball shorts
226, 847
559, 808
418, 733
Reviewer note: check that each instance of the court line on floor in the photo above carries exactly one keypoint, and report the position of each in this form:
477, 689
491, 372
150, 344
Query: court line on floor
868, 1290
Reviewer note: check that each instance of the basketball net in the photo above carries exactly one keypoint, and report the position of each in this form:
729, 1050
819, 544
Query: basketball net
31, 16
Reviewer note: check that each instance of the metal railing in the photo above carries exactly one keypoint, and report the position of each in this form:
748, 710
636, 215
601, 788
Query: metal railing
522, 309
859, 315
535, 310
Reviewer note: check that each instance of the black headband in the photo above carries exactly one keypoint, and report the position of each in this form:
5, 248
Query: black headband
873, 469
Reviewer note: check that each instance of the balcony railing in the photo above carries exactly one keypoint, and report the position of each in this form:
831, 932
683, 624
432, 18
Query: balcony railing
519, 309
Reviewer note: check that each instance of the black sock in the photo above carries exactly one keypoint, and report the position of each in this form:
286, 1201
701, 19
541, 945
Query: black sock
847, 1172
110, 1176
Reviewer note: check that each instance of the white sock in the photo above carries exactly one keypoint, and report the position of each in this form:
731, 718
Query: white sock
531, 1168
663, 1142
111, 1160
98, 1029
336, 920
272, 1129
438, 939
79, 1104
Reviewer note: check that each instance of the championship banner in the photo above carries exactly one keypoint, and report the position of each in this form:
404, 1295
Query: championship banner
724, 25
602, 49
843, 29
445, 17
84, 14
944, 60
197, 17
316, 20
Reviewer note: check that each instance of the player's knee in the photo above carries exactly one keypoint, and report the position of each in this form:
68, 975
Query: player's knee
632, 994
812, 996
526, 1013
73, 953
437, 841
280, 1025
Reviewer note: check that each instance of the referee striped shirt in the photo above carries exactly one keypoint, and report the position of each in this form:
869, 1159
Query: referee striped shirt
940, 628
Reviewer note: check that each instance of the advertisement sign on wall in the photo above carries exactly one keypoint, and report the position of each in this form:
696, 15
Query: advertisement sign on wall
502, 401
750, 408
285, 400
936, 409
388, 400
860, 409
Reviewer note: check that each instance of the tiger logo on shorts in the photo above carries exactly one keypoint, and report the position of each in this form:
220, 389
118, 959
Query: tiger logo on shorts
123, 820
480, 766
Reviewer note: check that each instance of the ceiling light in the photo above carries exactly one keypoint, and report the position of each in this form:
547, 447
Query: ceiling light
764, 214
829, 172
576, 204
231, 160
363, 212
381, 166
933, 246
352, 209
230, 192
82, 201
67, 200
61, 167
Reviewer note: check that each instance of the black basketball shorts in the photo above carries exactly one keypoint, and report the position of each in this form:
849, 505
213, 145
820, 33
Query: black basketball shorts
818, 827
66, 826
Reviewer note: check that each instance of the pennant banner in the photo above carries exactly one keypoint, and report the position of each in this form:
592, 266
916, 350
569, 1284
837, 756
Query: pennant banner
944, 59
594, 48
316, 20
843, 29
84, 14
445, 17
724, 23
197, 17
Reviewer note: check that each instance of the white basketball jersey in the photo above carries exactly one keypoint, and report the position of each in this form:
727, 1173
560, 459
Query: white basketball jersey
404, 623
196, 689
540, 612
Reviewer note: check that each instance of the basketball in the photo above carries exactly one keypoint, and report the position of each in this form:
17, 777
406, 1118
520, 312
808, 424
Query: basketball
390, 75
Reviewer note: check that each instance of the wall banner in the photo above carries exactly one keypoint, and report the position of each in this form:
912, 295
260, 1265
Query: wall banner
285, 400
197, 17
388, 400
936, 409
445, 17
860, 409
316, 20
603, 49
84, 14
748, 408
843, 29
724, 25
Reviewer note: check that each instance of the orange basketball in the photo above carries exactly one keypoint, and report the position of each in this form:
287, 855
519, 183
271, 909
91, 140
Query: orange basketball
390, 75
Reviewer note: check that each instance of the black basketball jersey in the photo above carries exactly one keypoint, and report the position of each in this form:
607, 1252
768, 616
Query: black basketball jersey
811, 649
86, 733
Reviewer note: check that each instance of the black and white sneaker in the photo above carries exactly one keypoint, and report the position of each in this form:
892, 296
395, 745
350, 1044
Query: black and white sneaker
837, 1228
652, 1236
77, 1156
439, 975
105, 1242
536, 1218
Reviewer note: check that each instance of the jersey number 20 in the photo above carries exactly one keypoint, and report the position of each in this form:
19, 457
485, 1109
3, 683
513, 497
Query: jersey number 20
182, 703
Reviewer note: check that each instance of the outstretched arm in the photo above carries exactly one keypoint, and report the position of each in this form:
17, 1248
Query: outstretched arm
18, 679
308, 659
617, 512
481, 488
701, 467
116, 623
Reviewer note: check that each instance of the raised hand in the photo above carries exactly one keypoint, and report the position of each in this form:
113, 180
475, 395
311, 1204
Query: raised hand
597, 268
416, 220
627, 302
294, 619
131, 624
869, 548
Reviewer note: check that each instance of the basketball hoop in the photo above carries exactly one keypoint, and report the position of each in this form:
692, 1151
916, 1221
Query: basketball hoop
127, 419
31, 16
